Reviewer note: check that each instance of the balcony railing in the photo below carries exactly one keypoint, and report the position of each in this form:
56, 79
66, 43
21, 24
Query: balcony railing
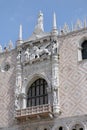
34, 111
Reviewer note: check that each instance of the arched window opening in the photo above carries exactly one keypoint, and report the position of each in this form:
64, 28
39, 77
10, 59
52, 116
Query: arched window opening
84, 50
77, 127
60, 128
37, 93
80, 128
45, 129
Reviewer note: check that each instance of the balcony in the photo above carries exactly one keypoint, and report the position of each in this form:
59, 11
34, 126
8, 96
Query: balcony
34, 112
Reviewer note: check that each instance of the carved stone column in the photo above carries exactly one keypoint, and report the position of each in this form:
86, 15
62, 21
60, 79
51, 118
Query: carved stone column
79, 53
55, 84
24, 97
49, 95
55, 68
18, 100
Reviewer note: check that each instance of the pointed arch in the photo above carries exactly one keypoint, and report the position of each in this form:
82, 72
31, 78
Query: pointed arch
78, 124
32, 84
34, 77
82, 51
37, 93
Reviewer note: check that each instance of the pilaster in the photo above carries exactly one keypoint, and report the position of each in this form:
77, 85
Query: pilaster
18, 96
55, 77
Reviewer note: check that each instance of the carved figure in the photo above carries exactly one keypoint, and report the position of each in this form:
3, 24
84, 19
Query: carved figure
18, 83
32, 57
39, 26
17, 103
40, 20
66, 28
55, 47
19, 56
27, 54
55, 100
78, 25
39, 52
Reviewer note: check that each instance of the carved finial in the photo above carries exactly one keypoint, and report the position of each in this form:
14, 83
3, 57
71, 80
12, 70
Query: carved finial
72, 26
10, 45
20, 32
54, 30
85, 24
78, 25
60, 31
0, 49
66, 28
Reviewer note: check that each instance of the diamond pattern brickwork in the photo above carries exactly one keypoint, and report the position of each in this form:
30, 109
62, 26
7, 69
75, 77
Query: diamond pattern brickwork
7, 84
73, 79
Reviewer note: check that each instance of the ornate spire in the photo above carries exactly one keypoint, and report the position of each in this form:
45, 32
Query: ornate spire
54, 21
66, 28
20, 32
54, 30
78, 24
20, 40
72, 29
0, 49
85, 24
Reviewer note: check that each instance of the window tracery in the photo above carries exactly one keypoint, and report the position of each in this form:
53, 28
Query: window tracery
37, 93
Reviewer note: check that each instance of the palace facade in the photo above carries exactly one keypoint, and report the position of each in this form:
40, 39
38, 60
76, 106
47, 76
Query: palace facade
43, 81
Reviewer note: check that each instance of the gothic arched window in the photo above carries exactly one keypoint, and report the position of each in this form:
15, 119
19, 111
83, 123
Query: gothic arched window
37, 93
84, 50
77, 127
60, 128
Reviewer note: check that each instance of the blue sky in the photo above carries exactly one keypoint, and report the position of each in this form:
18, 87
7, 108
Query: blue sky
25, 12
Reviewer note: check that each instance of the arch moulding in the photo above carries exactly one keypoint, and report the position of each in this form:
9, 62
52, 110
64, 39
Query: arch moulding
34, 77
81, 40
77, 122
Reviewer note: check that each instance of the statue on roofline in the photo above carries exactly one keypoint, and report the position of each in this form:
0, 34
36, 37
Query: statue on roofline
39, 26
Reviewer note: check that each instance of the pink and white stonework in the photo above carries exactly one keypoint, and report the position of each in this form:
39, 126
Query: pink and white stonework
55, 58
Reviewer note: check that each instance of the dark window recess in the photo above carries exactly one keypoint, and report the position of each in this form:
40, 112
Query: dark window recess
61, 128
81, 129
84, 50
37, 93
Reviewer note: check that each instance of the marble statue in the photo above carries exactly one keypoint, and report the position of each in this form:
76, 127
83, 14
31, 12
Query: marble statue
78, 25
27, 54
19, 56
17, 103
66, 28
41, 51
18, 83
10, 45
39, 26
55, 46
55, 100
